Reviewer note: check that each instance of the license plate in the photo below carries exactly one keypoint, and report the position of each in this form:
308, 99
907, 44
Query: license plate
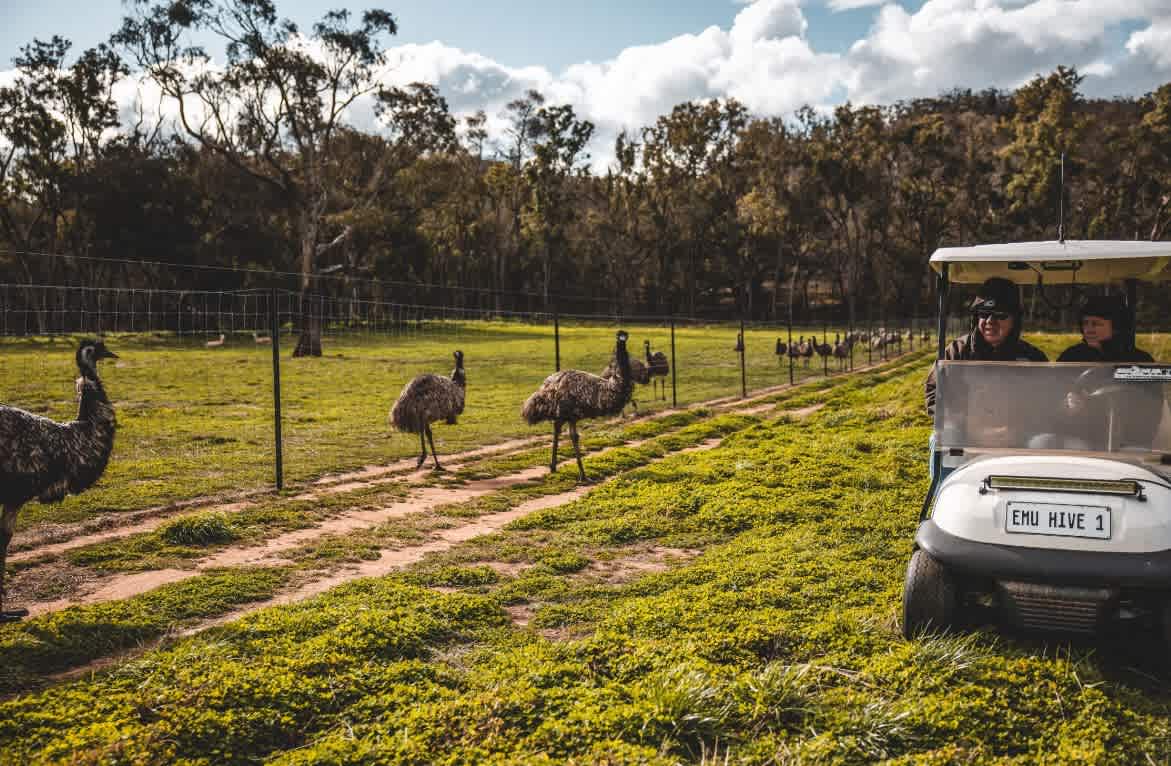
1059, 520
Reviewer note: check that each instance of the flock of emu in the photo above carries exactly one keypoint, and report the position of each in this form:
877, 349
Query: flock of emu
46, 460
841, 348
564, 398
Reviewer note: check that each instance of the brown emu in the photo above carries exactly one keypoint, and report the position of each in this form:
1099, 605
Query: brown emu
572, 395
658, 367
427, 399
46, 460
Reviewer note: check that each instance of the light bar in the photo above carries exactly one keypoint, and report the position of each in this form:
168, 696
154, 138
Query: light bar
1044, 483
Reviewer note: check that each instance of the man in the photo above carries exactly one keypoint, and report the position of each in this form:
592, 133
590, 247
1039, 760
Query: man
1107, 333
995, 335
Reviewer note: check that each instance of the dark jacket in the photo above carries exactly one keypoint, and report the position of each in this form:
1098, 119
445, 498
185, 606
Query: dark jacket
973, 347
1110, 352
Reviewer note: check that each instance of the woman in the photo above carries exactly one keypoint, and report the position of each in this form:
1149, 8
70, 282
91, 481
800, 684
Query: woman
1107, 333
1109, 418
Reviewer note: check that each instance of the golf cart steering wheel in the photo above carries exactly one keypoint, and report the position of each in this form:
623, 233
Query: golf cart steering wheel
1089, 388
1089, 385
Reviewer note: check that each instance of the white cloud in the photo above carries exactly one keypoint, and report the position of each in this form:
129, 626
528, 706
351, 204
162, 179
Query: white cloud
984, 43
764, 59
849, 5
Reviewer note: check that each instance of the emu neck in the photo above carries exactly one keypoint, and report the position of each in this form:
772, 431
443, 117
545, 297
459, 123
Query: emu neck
458, 377
622, 366
94, 406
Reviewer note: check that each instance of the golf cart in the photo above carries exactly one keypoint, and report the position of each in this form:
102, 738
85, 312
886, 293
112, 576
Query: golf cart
1050, 500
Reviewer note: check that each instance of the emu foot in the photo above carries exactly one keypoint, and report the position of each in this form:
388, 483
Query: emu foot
439, 469
13, 615
420, 461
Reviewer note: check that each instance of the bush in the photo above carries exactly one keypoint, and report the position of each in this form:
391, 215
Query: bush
199, 529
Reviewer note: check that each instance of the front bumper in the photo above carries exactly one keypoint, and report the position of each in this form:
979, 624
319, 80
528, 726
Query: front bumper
1045, 566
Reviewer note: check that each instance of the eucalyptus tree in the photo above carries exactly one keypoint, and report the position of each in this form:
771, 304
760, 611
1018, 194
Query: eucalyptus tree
549, 211
691, 165
275, 108
1047, 125
850, 158
54, 120
1152, 145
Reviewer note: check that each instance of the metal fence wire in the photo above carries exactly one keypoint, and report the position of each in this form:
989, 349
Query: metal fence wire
206, 387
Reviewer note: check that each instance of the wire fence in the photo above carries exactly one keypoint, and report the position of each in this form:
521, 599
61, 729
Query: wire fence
209, 398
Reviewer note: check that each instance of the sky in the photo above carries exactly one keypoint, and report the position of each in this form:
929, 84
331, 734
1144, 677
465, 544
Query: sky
623, 63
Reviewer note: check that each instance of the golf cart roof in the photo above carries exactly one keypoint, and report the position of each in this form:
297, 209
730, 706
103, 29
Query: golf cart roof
1058, 263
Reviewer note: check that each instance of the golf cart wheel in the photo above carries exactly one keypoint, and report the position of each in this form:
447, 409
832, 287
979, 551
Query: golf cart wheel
929, 596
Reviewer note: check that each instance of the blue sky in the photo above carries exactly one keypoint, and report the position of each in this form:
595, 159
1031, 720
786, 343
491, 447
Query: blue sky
515, 33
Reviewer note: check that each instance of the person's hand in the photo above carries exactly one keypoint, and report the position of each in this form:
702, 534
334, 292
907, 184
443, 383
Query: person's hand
1074, 403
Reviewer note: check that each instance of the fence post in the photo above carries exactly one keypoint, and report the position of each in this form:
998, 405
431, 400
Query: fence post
674, 365
556, 342
275, 331
743, 353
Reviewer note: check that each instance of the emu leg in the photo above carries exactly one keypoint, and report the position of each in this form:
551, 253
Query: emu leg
7, 527
577, 452
435, 455
423, 446
556, 433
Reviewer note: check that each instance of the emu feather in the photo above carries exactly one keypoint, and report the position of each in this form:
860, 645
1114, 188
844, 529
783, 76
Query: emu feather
571, 395
428, 399
43, 459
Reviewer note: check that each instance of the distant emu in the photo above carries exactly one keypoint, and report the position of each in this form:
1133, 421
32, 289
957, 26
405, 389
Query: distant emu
427, 399
658, 367
47, 460
639, 373
572, 395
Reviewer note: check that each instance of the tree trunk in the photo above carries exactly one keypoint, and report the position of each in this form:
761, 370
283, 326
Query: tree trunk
309, 343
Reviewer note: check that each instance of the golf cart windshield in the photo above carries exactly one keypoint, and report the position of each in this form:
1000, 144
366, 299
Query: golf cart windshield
1114, 410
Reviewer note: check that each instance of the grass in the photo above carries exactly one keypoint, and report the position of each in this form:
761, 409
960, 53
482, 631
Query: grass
777, 644
195, 421
192, 536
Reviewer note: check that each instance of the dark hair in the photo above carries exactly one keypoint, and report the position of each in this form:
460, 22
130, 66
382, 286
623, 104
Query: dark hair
1114, 308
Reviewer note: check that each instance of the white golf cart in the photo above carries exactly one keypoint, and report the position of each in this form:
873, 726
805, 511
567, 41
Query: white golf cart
1050, 499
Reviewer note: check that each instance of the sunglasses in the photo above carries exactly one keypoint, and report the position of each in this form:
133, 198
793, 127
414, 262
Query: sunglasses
999, 316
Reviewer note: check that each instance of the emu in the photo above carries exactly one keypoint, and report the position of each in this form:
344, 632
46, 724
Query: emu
427, 399
807, 349
639, 373
46, 460
658, 367
842, 349
572, 395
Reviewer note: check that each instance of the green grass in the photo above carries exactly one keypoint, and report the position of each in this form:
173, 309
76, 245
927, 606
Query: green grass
192, 536
777, 644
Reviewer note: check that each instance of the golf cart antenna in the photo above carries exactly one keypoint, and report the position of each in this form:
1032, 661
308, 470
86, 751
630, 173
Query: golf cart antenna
1061, 204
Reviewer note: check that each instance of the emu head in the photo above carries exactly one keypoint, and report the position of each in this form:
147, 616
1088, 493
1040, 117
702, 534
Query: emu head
459, 360
89, 353
620, 347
